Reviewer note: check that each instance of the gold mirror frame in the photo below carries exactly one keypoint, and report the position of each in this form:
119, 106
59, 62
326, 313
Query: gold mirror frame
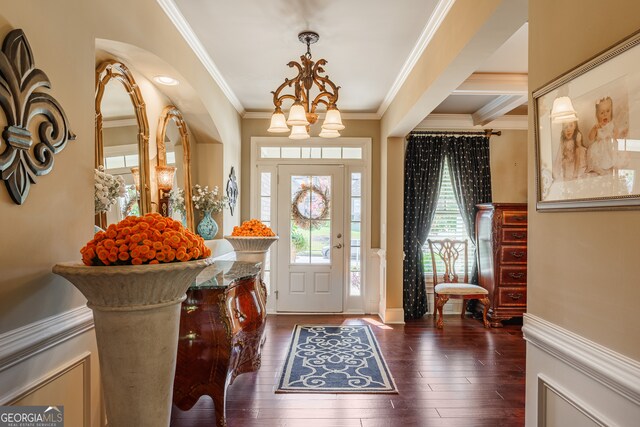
106, 71
169, 113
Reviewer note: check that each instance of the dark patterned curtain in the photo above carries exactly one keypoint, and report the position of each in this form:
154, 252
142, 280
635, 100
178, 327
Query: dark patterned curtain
423, 162
471, 178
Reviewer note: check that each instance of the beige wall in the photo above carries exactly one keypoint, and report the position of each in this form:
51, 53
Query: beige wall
508, 154
57, 217
583, 266
353, 128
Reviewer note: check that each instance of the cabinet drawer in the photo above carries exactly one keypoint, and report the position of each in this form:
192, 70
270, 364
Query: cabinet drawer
513, 276
514, 235
514, 218
515, 297
513, 254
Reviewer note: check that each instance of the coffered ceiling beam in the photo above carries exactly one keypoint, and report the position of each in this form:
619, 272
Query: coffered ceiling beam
465, 121
494, 84
498, 107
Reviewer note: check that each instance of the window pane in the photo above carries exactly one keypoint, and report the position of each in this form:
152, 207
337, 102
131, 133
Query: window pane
351, 152
355, 232
321, 243
270, 152
354, 285
132, 160
300, 250
290, 152
265, 208
265, 184
355, 209
447, 224
114, 162
306, 152
300, 233
331, 152
171, 158
356, 184
316, 153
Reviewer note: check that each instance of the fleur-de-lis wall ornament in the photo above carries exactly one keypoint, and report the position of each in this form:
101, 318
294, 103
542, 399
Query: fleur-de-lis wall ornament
25, 106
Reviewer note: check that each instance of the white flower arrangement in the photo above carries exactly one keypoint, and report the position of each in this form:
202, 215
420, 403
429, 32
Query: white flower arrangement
206, 200
107, 189
176, 202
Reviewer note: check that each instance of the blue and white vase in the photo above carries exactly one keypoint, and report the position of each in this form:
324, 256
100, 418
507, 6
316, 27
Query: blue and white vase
207, 228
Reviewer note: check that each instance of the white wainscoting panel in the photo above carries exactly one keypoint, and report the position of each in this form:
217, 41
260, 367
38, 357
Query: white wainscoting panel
35, 357
382, 277
372, 291
24, 342
572, 379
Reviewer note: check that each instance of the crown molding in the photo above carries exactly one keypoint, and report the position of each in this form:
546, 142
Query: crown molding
465, 121
438, 15
345, 116
183, 27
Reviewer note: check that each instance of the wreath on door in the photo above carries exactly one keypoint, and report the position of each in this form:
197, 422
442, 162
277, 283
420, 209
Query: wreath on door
310, 206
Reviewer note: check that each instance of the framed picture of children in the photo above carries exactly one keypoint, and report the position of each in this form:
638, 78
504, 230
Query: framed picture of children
587, 133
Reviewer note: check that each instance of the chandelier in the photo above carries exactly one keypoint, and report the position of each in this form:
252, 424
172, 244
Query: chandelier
303, 111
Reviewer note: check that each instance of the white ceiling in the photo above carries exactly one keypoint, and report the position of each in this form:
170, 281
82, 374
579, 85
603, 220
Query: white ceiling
368, 45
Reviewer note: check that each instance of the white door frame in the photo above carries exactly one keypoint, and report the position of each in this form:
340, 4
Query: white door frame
319, 286
352, 304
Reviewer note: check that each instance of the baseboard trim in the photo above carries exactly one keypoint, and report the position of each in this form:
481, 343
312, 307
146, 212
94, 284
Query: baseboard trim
614, 370
24, 342
393, 316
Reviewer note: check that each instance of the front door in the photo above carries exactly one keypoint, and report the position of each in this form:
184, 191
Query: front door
310, 250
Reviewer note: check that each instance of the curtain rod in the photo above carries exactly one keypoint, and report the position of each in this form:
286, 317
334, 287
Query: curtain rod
487, 133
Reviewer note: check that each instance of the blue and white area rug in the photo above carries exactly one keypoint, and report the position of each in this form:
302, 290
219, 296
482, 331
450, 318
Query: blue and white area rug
335, 359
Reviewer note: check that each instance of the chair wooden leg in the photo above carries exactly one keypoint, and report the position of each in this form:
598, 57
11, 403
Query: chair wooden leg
485, 302
464, 308
441, 300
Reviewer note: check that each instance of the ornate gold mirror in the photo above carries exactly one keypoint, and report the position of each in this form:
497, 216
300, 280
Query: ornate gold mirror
122, 139
174, 160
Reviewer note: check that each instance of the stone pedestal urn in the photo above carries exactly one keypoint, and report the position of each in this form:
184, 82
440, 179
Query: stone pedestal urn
252, 249
136, 310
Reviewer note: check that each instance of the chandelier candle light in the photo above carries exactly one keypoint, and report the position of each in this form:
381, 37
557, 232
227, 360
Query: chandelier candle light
303, 111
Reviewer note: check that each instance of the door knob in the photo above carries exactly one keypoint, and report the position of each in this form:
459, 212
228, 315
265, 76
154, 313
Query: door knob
339, 235
338, 246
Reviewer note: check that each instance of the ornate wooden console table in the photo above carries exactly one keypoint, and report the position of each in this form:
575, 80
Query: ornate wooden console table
221, 333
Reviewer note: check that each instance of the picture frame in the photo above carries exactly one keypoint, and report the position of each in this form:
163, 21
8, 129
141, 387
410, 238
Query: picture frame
587, 134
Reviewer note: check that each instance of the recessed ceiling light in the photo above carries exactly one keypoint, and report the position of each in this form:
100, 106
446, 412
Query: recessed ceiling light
166, 80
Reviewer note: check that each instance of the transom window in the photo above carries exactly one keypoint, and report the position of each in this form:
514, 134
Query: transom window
307, 152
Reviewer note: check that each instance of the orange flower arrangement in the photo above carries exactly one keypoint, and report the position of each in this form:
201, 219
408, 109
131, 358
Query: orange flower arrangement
252, 228
149, 239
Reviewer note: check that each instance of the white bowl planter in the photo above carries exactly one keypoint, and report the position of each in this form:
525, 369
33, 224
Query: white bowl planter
136, 310
252, 249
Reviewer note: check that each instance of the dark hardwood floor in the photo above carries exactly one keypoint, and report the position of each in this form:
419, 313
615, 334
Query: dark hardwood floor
464, 375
